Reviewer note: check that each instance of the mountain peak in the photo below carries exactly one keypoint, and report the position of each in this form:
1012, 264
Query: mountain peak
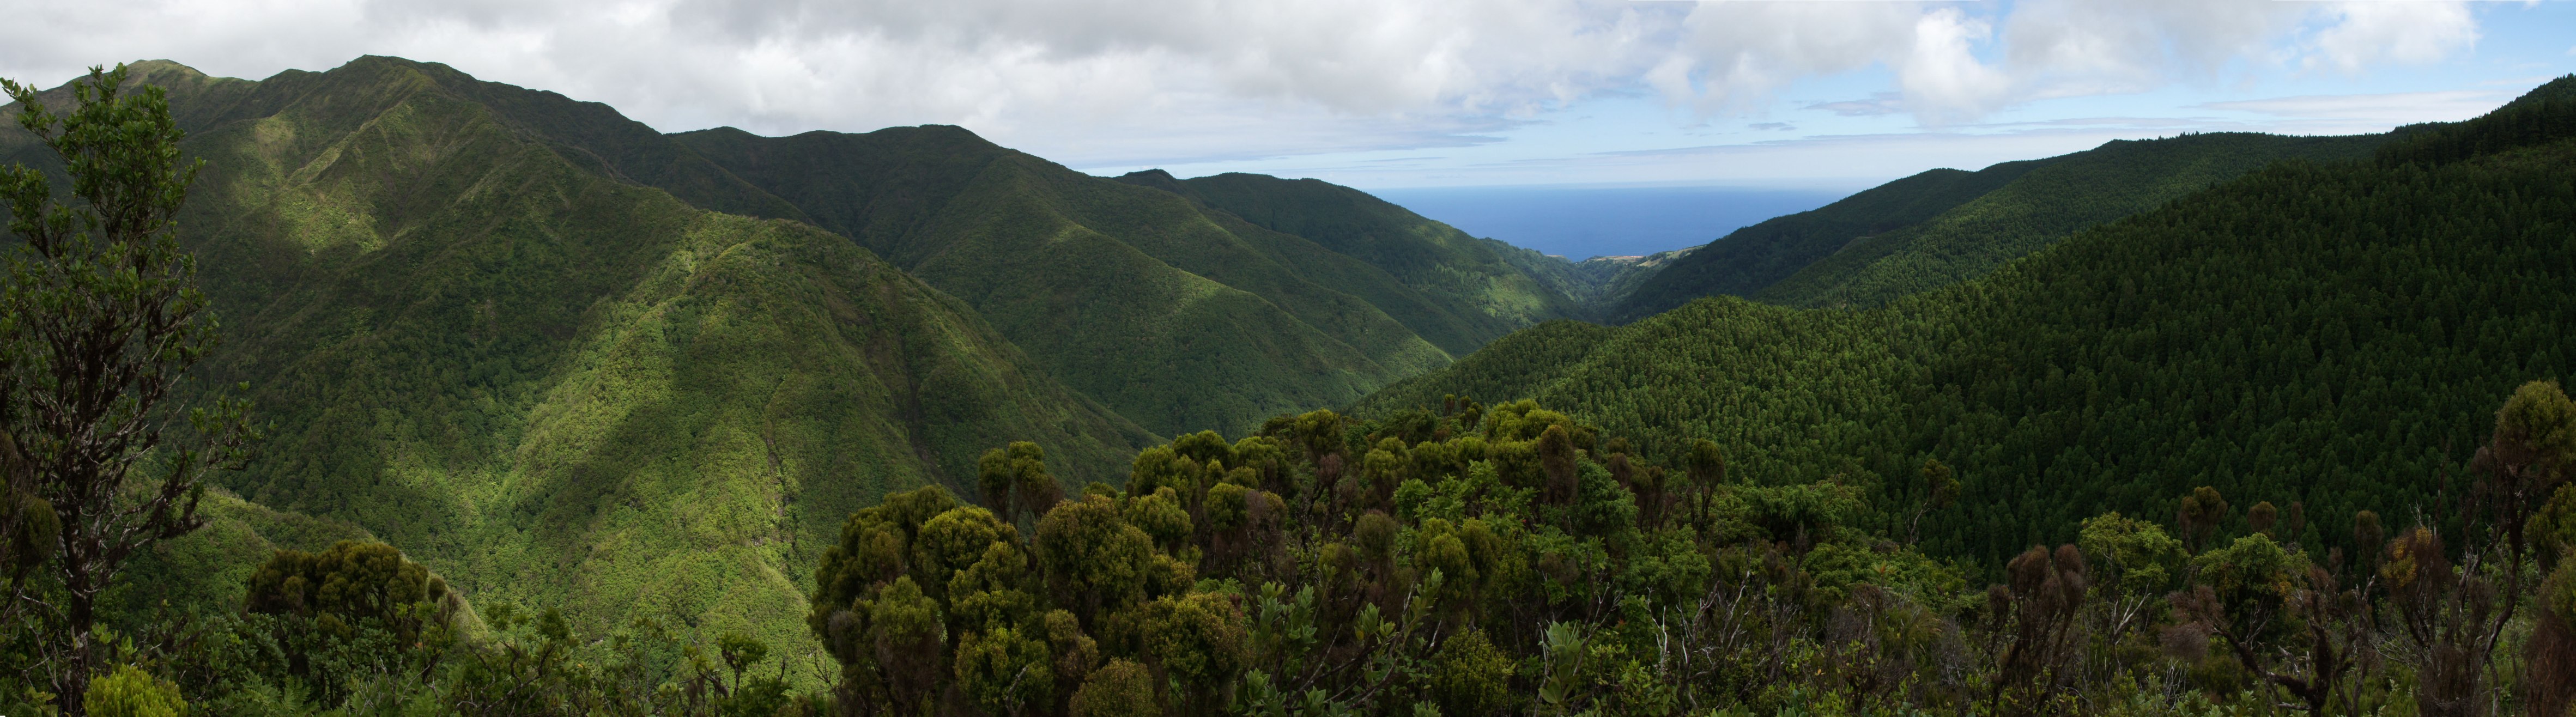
1155, 178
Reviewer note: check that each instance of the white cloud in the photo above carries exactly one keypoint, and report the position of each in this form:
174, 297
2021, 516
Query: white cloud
1954, 66
2367, 33
1094, 82
1942, 78
2374, 112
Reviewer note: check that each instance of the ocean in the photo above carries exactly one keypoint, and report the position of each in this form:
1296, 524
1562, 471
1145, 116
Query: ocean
1581, 222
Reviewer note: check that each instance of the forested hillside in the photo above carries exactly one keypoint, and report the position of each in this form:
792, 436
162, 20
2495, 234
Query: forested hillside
580, 446
2316, 333
1139, 299
1506, 285
1169, 308
1945, 226
555, 387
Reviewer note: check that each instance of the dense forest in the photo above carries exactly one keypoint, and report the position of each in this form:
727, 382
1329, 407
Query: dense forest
565, 359
2293, 443
1945, 225
1501, 559
2312, 333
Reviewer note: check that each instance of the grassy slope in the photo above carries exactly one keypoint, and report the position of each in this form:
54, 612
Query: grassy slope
1178, 315
554, 386
2332, 334
1944, 226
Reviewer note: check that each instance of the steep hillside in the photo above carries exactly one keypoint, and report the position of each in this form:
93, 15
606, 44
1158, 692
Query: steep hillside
1749, 259
2043, 205
1429, 256
1944, 226
1151, 295
557, 387
2303, 333
1608, 280
1140, 299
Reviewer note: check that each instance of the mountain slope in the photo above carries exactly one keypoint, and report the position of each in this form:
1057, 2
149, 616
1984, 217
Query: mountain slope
2301, 334
555, 386
1429, 256
2043, 205
1175, 298
1749, 259
1944, 226
1178, 314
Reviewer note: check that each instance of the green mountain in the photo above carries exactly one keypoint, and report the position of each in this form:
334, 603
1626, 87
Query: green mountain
1946, 225
1214, 303
2331, 334
1505, 286
557, 386
1145, 301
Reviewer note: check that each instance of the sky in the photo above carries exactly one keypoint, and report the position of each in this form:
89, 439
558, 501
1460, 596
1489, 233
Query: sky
1812, 95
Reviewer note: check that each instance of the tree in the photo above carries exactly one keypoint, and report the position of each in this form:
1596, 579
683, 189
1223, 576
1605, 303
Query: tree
131, 692
106, 321
350, 583
1940, 489
1015, 481
2199, 516
1120, 689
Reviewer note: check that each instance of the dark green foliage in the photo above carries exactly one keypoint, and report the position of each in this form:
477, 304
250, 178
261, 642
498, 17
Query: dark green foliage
1749, 259
2544, 115
1415, 576
100, 322
2308, 333
1946, 226
1151, 295
1120, 689
353, 582
557, 387
1492, 281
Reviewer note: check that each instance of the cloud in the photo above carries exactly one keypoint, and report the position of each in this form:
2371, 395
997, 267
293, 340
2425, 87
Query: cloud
1880, 103
1086, 79
1955, 65
1772, 126
2366, 33
1118, 81
2375, 111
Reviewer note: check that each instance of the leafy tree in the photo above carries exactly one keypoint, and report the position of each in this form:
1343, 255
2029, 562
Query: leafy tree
2200, 515
1121, 688
1015, 481
1007, 671
128, 691
349, 583
106, 322
1093, 558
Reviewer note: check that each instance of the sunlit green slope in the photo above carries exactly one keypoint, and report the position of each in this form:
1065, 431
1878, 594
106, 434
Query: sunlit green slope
1183, 309
2311, 332
1488, 276
1944, 226
555, 386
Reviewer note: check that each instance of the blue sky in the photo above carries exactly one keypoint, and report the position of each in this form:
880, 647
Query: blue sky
1849, 130
1383, 94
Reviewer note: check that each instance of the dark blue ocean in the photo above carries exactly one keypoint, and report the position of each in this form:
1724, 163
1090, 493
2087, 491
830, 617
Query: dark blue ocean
1582, 222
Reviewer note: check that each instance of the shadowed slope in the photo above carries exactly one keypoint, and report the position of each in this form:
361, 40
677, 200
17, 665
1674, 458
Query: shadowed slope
2302, 333
1181, 315
1944, 226
552, 385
